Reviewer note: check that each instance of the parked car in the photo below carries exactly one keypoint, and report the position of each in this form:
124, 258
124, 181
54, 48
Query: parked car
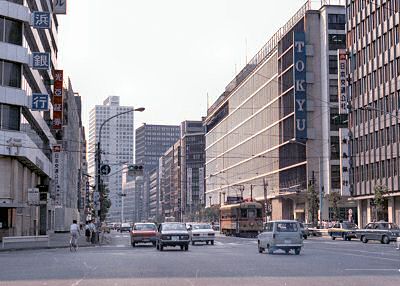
143, 233
382, 231
345, 230
172, 234
304, 230
125, 227
201, 232
281, 234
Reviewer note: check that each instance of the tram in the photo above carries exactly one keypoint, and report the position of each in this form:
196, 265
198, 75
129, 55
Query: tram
241, 219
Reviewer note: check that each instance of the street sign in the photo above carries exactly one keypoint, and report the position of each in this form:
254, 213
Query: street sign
40, 102
41, 20
40, 61
33, 196
105, 169
60, 6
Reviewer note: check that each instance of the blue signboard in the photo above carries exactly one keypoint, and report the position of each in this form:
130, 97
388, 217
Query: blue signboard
41, 61
300, 86
40, 102
41, 20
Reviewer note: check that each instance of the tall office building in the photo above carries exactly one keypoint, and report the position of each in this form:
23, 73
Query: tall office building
275, 129
116, 147
373, 50
26, 139
151, 143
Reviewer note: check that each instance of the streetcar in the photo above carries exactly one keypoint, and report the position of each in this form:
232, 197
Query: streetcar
241, 219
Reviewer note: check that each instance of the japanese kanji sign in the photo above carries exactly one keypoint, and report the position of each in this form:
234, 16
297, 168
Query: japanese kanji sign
40, 102
342, 92
41, 20
60, 6
40, 61
57, 173
58, 99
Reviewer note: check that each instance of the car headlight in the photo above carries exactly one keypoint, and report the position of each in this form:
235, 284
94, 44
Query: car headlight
211, 234
166, 237
184, 237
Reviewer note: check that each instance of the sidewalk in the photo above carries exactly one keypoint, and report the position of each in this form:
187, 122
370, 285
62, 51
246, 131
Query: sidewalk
56, 240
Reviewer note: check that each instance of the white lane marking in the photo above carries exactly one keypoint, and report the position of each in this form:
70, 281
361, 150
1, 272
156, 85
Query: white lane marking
77, 282
372, 269
117, 236
360, 255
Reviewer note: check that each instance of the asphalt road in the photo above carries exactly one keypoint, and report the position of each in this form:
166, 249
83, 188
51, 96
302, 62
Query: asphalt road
231, 261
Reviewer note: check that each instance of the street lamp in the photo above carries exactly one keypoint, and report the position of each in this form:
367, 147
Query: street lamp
98, 149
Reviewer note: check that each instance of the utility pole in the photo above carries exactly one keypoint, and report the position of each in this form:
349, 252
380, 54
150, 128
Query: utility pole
321, 189
251, 192
266, 206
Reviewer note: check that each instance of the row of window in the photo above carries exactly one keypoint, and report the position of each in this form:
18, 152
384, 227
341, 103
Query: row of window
386, 104
10, 74
336, 21
376, 78
375, 171
336, 41
375, 48
10, 31
10, 117
377, 139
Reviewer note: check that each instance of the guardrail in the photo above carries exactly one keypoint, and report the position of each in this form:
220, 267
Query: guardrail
25, 239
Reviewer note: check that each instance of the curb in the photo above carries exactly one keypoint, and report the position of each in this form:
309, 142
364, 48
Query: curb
42, 247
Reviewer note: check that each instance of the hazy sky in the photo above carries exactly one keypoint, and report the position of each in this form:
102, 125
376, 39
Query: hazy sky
165, 55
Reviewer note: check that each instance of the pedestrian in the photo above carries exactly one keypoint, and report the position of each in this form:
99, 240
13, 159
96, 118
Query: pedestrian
92, 229
87, 232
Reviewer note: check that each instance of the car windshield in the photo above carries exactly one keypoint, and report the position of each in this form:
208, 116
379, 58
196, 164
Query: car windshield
125, 225
349, 225
174, 226
286, 227
201, 226
147, 226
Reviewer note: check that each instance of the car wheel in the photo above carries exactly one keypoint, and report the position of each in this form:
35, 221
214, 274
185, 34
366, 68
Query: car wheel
344, 237
270, 251
186, 247
260, 249
157, 247
133, 244
161, 247
385, 239
297, 251
193, 242
287, 251
364, 239
212, 242
305, 236
207, 242
349, 238
182, 247
333, 238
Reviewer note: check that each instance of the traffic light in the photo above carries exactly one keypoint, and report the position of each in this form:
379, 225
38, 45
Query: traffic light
135, 170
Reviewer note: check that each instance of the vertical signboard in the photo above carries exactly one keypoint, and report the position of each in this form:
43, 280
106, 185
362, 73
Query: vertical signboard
189, 185
33, 196
342, 91
40, 61
58, 99
87, 194
344, 162
300, 86
60, 6
40, 102
201, 186
57, 173
41, 20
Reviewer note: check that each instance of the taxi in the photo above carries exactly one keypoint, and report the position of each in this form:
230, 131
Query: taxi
345, 230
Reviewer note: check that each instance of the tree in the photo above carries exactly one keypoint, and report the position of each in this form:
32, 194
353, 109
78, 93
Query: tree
313, 203
379, 201
334, 199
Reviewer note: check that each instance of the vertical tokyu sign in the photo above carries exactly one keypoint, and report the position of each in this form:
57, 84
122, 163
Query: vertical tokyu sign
300, 86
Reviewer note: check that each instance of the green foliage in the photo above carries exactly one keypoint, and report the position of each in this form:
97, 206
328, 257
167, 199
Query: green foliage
334, 199
379, 200
313, 204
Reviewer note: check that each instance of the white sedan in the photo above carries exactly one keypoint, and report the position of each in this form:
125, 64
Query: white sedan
202, 232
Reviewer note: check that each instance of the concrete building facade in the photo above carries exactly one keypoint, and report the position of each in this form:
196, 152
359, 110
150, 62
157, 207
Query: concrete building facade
116, 146
275, 129
373, 68
25, 138
151, 143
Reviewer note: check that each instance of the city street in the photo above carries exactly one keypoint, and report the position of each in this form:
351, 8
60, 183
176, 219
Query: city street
231, 261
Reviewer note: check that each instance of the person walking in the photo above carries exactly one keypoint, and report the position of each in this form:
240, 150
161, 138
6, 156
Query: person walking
74, 231
87, 232
92, 229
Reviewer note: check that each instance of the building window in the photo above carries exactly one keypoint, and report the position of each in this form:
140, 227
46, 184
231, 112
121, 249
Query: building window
335, 177
333, 64
335, 148
10, 31
9, 117
10, 74
20, 2
336, 41
336, 21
